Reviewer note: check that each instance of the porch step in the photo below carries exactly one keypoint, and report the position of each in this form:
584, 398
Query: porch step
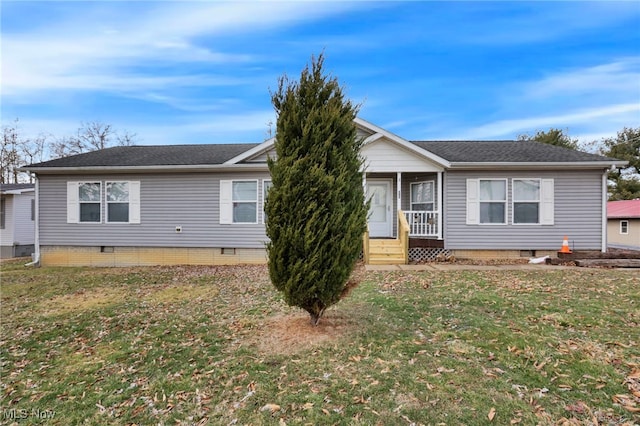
386, 260
386, 252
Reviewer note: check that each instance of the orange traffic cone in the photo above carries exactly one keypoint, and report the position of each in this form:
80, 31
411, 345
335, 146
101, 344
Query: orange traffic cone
565, 246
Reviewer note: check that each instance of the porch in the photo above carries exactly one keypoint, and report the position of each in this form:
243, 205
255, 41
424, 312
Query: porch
405, 213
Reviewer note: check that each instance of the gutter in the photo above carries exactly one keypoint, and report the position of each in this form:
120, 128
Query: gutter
146, 169
36, 213
536, 165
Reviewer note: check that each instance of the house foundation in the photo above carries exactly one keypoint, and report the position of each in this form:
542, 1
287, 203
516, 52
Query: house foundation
501, 254
113, 256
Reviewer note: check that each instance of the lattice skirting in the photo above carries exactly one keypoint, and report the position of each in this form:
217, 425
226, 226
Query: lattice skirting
425, 254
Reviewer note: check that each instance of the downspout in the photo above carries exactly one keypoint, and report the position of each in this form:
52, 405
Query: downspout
36, 242
604, 212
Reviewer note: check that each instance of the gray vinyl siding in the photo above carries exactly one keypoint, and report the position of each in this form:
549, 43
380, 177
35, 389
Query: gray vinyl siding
24, 233
189, 200
577, 214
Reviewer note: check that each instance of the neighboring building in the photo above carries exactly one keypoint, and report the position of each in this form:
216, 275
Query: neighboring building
203, 204
17, 219
623, 229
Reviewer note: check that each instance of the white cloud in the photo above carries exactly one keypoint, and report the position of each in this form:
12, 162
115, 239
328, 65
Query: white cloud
83, 52
590, 102
589, 119
617, 78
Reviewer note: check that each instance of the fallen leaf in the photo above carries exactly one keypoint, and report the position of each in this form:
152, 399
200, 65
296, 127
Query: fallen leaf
492, 414
270, 407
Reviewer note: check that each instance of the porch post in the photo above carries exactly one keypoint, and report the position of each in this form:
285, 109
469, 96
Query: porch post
440, 195
399, 191
398, 195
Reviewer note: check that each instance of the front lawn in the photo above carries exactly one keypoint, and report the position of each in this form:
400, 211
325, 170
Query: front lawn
216, 345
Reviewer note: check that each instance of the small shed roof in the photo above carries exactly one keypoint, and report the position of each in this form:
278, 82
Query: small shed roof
626, 209
16, 188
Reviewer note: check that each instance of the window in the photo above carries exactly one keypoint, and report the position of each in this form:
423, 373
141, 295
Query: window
266, 186
493, 201
532, 201
118, 202
624, 227
526, 201
89, 195
245, 201
84, 202
2, 212
33, 210
422, 196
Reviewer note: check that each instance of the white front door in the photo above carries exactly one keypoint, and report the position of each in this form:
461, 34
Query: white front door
380, 209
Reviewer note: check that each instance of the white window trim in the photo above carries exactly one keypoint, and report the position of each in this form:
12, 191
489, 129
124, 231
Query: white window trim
546, 202
134, 202
226, 201
264, 197
73, 202
513, 202
627, 226
505, 201
433, 195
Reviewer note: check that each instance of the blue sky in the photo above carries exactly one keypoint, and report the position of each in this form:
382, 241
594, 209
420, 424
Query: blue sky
177, 72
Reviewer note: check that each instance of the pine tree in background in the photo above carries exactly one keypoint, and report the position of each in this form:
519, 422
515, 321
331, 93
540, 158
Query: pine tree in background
316, 212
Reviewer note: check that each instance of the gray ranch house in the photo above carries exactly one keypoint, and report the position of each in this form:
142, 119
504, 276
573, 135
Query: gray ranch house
203, 204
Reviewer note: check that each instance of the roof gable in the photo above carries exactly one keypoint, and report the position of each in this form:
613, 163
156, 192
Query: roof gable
370, 131
383, 155
256, 153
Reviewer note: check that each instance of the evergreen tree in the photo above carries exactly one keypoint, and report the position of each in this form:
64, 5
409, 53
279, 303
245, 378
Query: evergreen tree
624, 182
552, 137
316, 208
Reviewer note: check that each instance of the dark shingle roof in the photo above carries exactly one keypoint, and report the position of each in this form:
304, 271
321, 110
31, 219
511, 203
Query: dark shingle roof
505, 152
158, 155
212, 154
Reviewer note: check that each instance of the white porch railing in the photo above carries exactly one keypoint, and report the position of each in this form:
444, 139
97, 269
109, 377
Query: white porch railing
422, 223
